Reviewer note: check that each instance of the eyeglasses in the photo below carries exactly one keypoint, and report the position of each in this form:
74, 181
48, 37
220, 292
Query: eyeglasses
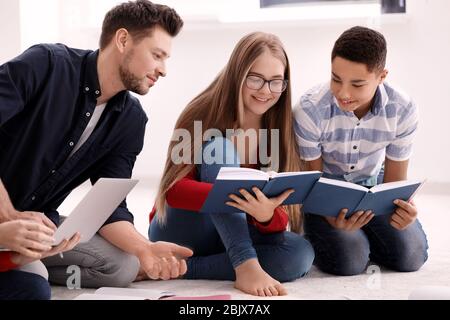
275, 85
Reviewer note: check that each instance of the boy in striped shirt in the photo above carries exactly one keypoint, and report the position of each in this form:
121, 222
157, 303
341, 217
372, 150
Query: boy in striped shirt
359, 129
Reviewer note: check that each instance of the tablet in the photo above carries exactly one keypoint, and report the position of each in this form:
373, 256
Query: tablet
94, 209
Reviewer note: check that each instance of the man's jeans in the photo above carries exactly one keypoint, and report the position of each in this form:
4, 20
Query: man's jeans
100, 263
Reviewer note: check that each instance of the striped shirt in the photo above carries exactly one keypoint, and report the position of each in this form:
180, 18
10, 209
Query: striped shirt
351, 148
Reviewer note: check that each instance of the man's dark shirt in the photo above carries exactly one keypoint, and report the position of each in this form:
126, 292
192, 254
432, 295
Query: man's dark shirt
47, 96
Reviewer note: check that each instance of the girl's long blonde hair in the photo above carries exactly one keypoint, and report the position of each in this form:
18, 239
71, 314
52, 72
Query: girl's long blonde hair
220, 106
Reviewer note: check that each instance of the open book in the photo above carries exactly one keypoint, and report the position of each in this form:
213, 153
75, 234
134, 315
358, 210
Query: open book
328, 196
109, 293
232, 179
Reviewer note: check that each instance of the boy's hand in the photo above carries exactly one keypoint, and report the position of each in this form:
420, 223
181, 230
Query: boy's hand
358, 220
404, 215
261, 208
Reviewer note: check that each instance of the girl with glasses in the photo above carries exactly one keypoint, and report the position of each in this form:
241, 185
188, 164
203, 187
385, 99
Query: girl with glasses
252, 247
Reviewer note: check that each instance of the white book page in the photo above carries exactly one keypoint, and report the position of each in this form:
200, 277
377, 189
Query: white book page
343, 184
288, 174
94, 296
150, 294
393, 185
237, 173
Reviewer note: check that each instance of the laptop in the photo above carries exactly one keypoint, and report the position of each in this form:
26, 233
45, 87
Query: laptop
94, 209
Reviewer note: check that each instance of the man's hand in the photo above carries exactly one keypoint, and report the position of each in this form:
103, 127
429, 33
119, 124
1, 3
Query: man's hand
7, 215
404, 215
27, 237
158, 260
38, 217
28, 215
64, 246
355, 222
164, 260
261, 208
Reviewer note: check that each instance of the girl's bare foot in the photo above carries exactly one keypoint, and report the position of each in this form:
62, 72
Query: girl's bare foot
252, 279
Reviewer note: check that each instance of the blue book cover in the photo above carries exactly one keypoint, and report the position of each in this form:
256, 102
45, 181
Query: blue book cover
380, 199
231, 180
301, 182
328, 197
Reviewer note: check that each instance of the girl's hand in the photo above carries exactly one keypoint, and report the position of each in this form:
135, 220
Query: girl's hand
260, 207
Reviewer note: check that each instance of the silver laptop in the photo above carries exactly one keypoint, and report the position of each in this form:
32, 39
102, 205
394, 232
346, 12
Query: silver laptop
94, 209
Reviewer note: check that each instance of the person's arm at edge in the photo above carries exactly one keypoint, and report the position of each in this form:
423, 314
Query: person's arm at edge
314, 165
395, 170
6, 263
7, 211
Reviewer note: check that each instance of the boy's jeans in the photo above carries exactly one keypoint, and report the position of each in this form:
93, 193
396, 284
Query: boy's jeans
348, 253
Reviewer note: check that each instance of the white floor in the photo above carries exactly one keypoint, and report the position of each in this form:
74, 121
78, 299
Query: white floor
434, 213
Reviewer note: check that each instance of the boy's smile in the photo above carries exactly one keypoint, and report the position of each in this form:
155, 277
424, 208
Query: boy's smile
353, 85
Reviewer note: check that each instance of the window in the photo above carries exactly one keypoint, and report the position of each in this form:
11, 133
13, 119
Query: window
393, 6
387, 6
277, 3
303, 10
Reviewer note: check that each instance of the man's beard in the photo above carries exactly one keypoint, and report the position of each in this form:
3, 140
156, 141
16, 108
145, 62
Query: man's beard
129, 80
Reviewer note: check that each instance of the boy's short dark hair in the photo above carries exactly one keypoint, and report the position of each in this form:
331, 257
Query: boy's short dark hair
362, 45
139, 17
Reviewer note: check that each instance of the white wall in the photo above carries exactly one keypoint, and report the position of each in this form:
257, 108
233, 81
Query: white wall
418, 59
40, 21
10, 23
